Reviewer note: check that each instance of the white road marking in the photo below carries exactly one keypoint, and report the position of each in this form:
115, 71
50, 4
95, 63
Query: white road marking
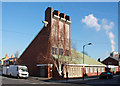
35, 83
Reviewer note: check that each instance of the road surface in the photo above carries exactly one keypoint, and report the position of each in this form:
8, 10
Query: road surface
75, 82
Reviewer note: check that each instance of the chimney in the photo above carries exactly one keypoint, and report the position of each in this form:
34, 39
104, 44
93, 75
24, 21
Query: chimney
6, 56
111, 54
11, 56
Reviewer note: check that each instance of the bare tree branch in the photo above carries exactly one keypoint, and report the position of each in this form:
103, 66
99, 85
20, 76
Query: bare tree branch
17, 54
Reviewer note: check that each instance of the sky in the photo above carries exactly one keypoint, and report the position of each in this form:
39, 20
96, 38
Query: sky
95, 22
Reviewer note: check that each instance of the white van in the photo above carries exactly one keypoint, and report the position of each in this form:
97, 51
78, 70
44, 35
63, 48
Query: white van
5, 70
18, 71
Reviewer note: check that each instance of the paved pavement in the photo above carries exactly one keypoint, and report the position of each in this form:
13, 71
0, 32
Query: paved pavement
72, 80
100, 82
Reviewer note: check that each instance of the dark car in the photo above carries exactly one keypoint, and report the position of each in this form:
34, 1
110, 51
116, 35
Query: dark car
106, 75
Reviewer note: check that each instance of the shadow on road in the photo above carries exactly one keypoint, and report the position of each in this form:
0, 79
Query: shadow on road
96, 82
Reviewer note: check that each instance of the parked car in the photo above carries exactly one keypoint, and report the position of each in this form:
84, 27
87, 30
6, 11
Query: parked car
106, 75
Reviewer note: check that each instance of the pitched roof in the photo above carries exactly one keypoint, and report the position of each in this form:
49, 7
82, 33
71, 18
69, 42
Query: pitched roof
77, 58
114, 58
111, 58
9, 59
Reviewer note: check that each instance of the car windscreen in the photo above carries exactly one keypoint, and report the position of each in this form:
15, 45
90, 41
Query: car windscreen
23, 69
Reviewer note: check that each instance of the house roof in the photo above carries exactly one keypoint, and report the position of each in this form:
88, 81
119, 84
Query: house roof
114, 58
9, 59
111, 58
77, 58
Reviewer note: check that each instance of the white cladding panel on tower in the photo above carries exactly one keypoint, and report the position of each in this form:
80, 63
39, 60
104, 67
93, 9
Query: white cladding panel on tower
54, 32
61, 34
60, 31
67, 36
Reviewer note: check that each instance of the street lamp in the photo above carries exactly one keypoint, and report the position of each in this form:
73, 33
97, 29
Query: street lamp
83, 56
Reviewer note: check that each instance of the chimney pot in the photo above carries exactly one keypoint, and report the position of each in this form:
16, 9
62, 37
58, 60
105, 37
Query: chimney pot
62, 15
55, 12
67, 17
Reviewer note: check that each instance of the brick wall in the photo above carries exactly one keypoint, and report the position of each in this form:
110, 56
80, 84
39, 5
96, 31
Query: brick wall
77, 71
38, 52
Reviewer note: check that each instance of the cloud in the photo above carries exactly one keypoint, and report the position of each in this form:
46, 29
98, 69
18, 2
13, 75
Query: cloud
107, 26
111, 36
92, 22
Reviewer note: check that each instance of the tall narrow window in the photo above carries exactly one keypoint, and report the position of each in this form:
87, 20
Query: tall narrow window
54, 50
60, 51
102, 69
67, 53
95, 69
98, 69
91, 69
87, 69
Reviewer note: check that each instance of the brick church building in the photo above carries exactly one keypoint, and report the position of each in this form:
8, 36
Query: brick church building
50, 54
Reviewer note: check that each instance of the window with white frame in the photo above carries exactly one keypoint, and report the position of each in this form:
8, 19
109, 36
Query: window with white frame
98, 69
79, 70
72, 70
87, 69
114, 69
95, 69
102, 69
91, 69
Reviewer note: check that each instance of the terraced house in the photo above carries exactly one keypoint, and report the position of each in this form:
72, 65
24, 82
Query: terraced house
50, 54
7, 60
